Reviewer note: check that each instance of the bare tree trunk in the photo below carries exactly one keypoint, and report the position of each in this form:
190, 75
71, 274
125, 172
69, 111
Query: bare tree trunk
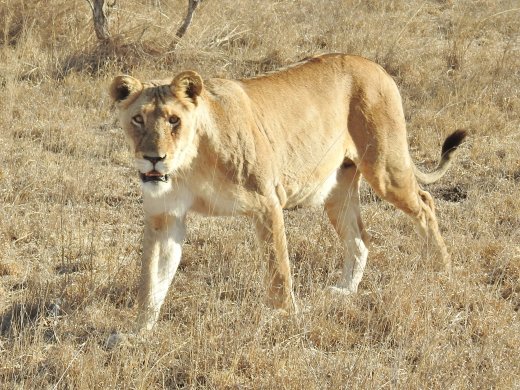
100, 19
192, 5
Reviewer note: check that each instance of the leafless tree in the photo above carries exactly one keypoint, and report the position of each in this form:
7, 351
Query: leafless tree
192, 5
101, 27
100, 19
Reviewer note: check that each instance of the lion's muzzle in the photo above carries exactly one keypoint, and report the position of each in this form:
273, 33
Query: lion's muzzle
152, 169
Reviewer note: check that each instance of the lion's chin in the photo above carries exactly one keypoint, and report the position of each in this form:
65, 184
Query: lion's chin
155, 189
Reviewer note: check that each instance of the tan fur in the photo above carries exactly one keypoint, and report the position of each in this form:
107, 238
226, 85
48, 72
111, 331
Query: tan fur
301, 136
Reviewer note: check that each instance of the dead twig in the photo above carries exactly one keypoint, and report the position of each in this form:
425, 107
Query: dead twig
192, 6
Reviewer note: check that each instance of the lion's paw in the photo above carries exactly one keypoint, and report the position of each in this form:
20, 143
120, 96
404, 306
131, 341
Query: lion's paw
339, 291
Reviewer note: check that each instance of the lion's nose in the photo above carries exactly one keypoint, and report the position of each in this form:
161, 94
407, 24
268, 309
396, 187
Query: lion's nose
154, 160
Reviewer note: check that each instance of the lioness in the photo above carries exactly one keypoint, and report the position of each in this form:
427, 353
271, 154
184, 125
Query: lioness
297, 137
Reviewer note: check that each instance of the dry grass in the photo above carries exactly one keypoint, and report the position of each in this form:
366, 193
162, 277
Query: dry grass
70, 215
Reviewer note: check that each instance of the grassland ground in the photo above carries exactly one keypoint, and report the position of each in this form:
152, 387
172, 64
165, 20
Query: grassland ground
71, 218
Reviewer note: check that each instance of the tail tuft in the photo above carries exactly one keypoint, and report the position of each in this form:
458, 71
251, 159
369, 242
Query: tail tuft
453, 141
450, 145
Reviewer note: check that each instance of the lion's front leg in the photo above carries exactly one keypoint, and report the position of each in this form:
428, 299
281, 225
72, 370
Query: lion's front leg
271, 236
162, 249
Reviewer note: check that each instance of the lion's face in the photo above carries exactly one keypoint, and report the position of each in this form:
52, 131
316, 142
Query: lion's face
160, 124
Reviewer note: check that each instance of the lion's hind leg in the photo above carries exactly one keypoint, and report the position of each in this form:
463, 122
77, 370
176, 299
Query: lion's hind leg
396, 183
342, 207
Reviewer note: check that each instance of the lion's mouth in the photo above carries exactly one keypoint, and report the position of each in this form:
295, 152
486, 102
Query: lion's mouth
153, 176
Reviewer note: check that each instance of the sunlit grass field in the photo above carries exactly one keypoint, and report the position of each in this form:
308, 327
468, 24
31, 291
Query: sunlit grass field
71, 219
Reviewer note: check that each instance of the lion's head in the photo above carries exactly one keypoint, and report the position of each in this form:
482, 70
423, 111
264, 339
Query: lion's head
160, 121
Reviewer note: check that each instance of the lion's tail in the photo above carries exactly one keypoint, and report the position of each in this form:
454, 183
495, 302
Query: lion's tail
451, 143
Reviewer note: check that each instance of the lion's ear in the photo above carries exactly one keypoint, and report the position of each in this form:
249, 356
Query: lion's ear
187, 84
123, 87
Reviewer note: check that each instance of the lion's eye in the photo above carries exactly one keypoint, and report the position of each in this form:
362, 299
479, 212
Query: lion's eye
174, 121
138, 120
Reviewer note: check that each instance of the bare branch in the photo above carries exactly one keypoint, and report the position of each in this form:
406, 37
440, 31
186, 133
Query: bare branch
192, 5
90, 4
100, 19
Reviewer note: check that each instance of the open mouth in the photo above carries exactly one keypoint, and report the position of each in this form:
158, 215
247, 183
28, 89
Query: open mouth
153, 176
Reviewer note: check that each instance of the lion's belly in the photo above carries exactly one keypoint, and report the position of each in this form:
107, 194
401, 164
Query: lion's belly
310, 193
